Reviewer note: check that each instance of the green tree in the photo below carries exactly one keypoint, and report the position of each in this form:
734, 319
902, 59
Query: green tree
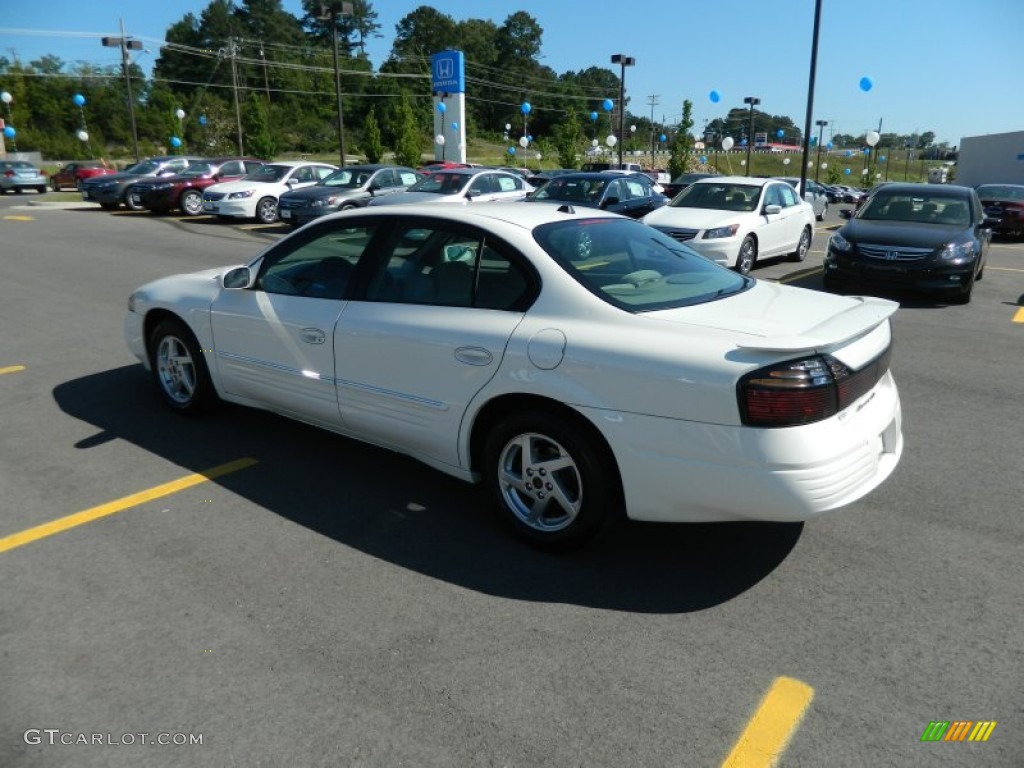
682, 143
408, 147
568, 137
259, 139
373, 146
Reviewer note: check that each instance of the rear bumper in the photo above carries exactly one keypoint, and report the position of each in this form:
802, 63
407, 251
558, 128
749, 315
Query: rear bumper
678, 471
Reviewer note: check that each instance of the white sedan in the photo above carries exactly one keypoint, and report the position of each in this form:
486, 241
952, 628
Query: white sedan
461, 185
577, 363
735, 220
256, 195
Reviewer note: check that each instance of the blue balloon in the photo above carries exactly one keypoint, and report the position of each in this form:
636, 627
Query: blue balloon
866, 84
829, 145
846, 171
175, 142
703, 158
79, 100
881, 159
866, 150
663, 137
743, 142
511, 150
9, 132
849, 153
455, 126
441, 107
525, 108
607, 105
715, 97
202, 119
780, 133
529, 138
593, 115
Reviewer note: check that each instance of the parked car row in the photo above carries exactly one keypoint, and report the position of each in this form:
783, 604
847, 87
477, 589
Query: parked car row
17, 176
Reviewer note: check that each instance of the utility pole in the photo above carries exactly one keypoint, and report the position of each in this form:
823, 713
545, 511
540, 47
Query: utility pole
266, 79
332, 12
653, 101
231, 52
127, 44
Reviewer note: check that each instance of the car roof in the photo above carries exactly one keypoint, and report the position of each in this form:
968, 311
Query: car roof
293, 163
516, 213
750, 181
932, 190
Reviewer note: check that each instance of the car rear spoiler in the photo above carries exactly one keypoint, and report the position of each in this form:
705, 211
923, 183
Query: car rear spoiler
838, 329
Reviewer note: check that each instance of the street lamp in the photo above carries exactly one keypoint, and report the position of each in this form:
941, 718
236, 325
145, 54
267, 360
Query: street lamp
821, 130
332, 12
624, 61
127, 44
752, 101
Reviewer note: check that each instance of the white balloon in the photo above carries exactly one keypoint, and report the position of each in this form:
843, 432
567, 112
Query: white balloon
538, 156
508, 126
6, 98
864, 172
727, 143
785, 161
632, 129
824, 166
82, 136
523, 142
593, 143
439, 140
743, 162
872, 138
180, 114
611, 141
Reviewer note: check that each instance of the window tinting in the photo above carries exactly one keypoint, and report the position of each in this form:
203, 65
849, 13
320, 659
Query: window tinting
319, 265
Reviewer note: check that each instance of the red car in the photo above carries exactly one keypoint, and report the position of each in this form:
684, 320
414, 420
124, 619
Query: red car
162, 194
73, 174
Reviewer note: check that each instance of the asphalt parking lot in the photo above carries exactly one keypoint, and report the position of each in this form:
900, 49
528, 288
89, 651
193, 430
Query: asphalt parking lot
317, 602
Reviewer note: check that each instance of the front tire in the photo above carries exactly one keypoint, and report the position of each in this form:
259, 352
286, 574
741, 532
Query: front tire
747, 257
802, 246
179, 368
191, 203
824, 212
553, 484
130, 203
266, 210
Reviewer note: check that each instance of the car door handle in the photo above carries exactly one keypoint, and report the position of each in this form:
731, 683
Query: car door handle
473, 355
312, 336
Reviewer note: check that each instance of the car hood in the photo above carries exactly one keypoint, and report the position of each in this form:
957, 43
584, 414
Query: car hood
319, 192
692, 218
771, 316
914, 234
239, 186
418, 197
121, 176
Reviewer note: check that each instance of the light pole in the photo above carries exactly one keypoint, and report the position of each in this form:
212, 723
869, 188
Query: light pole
821, 130
752, 101
127, 44
624, 61
332, 12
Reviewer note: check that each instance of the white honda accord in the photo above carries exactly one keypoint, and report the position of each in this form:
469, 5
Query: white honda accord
579, 364
256, 195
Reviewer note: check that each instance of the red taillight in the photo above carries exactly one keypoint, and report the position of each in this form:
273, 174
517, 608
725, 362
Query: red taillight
9, 174
804, 391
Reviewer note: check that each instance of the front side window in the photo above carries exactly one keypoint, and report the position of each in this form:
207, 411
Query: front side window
268, 174
442, 183
635, 267
789, 197
318, 265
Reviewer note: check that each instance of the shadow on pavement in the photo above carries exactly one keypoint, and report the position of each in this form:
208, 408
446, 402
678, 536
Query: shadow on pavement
403, 512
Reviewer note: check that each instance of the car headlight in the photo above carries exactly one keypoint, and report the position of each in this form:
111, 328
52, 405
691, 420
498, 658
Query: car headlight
240, 195
839, 243
728, 231
134, 298
324, 201
956, 251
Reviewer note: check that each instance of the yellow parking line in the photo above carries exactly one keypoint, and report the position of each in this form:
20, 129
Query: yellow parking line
768, 733
1003, 269
12, 369
119, 505
19, 218
1018, 317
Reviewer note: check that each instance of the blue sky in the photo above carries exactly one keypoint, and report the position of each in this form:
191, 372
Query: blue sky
939, 65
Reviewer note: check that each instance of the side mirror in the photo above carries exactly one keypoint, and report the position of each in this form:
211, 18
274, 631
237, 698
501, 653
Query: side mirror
772, 208
990, 221
845, 213
237, 278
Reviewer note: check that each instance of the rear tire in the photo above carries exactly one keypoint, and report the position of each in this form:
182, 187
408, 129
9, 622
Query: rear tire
191, 202
824, 213
109, 206
554, 485
179, 369
803, 246
130, 204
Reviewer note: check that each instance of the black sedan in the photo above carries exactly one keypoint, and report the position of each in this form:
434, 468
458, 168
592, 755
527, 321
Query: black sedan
679, 183
629, 194
930, 237
350, 187
1005, 204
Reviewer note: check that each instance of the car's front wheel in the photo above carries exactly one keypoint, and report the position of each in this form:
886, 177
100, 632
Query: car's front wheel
803, 245
747, 256
179, 368
824, 212
266, 210
191, 203
553, 483
131, 202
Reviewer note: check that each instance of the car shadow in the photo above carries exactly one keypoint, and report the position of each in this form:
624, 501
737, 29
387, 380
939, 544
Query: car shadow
401, 511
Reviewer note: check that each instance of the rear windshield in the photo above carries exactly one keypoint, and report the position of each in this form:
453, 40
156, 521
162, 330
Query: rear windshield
635, 267
442, 183
1000, 192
